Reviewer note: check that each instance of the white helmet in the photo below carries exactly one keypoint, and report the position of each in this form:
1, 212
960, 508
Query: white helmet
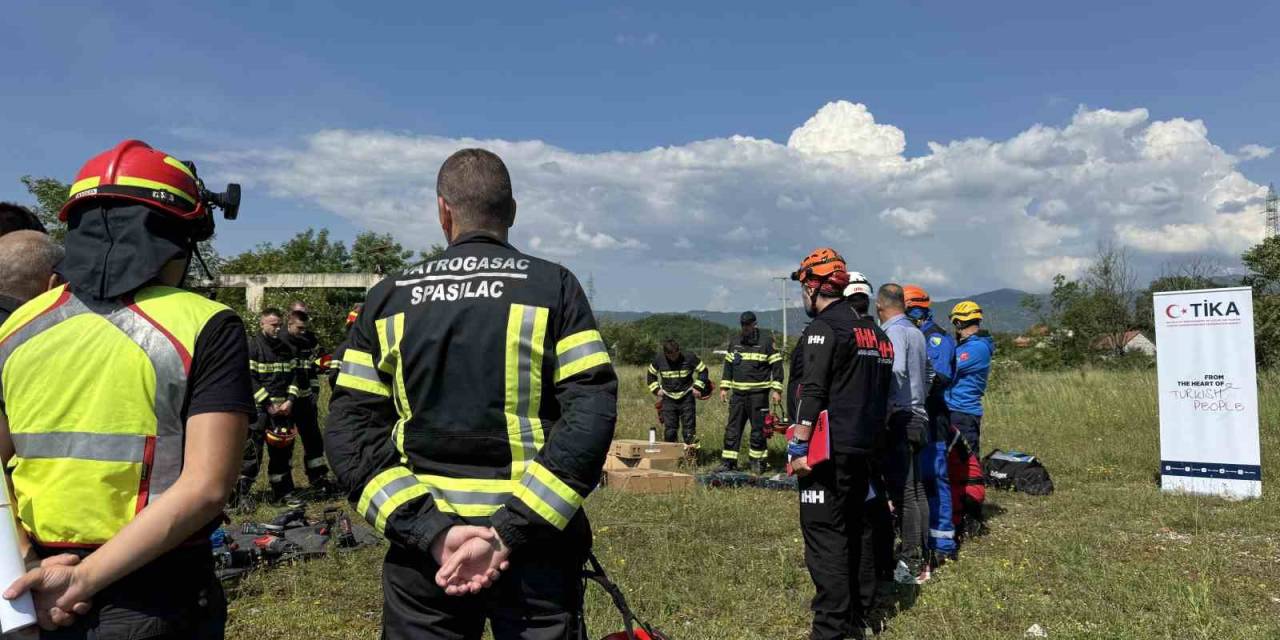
858, 283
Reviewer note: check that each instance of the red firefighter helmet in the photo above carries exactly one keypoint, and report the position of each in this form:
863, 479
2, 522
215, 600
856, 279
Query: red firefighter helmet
281, 436
132, 170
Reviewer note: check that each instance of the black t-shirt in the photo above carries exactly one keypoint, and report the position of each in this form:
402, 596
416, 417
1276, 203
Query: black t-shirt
219, 377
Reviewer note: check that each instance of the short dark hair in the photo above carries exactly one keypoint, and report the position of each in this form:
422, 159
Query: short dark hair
670, 347
891, 296
15, 217
860, 302
477, 187
271, 311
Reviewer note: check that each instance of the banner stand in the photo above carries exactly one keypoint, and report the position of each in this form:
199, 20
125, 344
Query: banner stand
1208, 392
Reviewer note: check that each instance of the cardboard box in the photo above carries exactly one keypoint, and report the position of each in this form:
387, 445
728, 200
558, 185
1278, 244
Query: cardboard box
642, 449
614, 463
648, 481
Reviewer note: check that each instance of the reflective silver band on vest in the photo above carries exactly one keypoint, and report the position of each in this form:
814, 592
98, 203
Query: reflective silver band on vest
170, 392
385, 493
84, 446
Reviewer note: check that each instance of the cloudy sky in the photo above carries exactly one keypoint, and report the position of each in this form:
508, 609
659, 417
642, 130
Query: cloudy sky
682, 159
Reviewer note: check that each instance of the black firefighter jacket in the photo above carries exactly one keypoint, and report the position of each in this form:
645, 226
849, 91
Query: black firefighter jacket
474, 389
273, 370
751, 365
677, 378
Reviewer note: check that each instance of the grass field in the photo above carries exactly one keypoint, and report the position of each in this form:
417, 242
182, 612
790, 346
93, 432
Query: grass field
1106, 556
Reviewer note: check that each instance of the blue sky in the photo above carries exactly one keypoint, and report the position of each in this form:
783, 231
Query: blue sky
246, 87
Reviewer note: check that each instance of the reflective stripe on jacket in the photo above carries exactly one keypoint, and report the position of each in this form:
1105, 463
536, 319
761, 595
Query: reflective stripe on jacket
678, 378
474, 388
94, 393
752, 366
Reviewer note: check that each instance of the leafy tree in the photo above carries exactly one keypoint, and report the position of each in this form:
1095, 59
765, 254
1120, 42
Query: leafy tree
1197, 273
1096, 309
49, 193
1263, 261
313, 251
378, 253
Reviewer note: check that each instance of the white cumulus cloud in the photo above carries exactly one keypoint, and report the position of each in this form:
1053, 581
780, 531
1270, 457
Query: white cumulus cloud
672, 228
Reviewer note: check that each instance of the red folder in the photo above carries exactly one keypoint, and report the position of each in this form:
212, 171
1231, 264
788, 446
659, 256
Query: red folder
819, 443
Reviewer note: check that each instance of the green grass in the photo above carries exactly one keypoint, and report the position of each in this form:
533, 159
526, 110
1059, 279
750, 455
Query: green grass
1106, 556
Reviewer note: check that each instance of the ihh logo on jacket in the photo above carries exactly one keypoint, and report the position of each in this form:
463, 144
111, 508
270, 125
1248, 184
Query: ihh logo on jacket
813, 496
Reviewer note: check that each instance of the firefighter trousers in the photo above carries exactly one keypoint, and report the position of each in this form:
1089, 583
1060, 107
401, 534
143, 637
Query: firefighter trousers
279, 459
833, 500
744, 407
677, 414
538, 598
305, 418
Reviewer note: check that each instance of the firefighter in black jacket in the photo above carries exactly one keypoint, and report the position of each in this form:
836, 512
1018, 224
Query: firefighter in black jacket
846, 368
472, 414
677, 378
275, 391
753, 373
307, 362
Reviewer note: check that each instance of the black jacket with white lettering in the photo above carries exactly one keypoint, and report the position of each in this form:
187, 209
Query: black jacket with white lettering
677, 378
474, 389
751, 365
846, 369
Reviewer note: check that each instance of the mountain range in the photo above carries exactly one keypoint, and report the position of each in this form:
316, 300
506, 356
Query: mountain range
1002, 313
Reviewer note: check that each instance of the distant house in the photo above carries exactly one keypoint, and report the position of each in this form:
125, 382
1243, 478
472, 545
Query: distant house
1131, 341
1022, 342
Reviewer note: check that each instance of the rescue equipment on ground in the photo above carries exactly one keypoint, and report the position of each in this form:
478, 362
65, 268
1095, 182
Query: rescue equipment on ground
634, 627
1017, 471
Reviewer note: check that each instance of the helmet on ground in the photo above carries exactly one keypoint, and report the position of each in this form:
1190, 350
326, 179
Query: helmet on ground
132, 170
966, 311
824, 270
858, 283
281, 436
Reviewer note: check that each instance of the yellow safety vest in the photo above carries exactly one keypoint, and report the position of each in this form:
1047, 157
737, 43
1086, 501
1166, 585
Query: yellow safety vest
94, 393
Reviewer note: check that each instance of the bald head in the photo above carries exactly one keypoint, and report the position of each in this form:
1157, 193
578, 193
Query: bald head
27, 260
890, 301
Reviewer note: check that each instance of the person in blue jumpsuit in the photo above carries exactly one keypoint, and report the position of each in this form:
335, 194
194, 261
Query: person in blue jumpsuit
974, 349
940, 348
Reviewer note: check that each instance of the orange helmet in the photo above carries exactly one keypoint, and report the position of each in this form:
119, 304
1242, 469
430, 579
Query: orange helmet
915, 297
824, 270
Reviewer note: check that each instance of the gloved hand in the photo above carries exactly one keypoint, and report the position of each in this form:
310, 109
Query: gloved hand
916, 436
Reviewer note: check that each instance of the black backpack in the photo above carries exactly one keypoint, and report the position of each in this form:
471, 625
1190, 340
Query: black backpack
1016, 471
